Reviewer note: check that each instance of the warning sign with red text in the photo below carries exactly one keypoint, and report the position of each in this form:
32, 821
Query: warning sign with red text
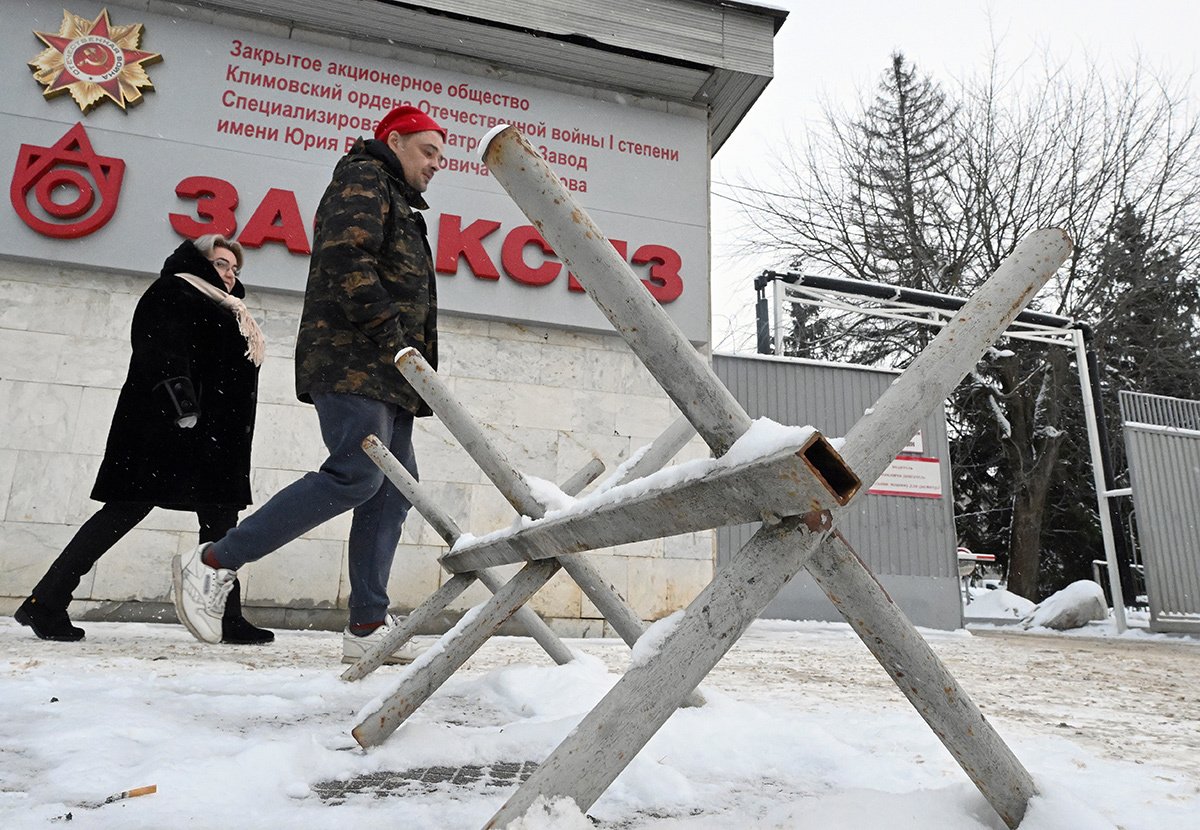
910, 475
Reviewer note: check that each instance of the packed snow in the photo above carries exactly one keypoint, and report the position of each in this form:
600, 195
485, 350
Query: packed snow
801, 729
998, 604
1074, 606
764, 438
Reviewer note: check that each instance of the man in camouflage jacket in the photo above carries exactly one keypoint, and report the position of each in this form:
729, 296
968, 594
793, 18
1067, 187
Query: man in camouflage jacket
370, 294
370, 284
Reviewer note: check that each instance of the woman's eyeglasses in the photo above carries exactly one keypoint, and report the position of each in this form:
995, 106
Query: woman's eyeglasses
226, 265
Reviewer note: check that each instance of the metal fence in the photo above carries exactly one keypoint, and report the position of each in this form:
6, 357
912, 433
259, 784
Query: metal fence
1162, 442
909, 543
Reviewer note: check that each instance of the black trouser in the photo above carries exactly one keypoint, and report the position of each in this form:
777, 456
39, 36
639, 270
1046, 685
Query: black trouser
103, 530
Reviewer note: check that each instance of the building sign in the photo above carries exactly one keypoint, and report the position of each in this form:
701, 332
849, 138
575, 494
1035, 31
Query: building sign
910, 475
242, 131
916, 446
44, 174
94, 61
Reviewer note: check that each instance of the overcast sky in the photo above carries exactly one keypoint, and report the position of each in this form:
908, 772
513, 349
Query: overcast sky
835, 50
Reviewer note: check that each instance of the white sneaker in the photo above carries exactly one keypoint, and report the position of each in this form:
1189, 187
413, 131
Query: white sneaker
354, 648
200, 594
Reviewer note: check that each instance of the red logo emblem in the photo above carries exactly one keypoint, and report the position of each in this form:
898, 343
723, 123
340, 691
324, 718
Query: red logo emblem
66, 180
94, 60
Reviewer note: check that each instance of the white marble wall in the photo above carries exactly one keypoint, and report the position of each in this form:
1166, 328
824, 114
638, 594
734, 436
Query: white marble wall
550, 398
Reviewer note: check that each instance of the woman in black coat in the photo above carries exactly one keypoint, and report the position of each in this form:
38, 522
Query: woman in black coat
181, 433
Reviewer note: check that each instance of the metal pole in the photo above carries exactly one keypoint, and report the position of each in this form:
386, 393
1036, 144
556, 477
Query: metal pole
415, 690
595, 745
584, 765
607, 278
762, 322
778, 291
586, 474
661, 450
421, 681
441, 522
1120, 540
424, 614
462, 426
1106, 529
514, 487
870, 445
920, 674
411, 489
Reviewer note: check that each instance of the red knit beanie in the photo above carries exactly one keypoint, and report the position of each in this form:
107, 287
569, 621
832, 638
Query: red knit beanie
405, 120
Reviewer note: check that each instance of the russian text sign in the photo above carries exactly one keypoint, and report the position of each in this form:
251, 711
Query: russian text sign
240, 132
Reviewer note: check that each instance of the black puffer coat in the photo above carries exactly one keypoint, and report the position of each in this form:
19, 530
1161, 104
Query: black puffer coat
178, 333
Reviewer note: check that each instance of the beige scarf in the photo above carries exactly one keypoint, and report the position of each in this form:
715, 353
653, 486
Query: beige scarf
256, 344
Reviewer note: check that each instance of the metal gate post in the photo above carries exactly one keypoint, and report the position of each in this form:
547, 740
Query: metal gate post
1102, 495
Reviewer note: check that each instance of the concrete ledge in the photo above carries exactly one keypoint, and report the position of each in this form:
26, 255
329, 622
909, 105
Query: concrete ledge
303, 619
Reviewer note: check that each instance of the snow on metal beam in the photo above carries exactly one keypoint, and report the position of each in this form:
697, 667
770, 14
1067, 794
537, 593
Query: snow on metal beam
795, 480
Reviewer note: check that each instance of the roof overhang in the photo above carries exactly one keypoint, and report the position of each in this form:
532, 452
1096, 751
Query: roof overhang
700, 53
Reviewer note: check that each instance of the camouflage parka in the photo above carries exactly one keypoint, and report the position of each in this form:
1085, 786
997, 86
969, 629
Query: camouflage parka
371, 289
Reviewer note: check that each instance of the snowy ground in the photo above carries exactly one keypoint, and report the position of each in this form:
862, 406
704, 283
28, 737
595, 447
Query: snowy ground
803, 730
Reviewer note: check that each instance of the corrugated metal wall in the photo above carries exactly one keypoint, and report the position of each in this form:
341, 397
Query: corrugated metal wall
1162, 441
909, 543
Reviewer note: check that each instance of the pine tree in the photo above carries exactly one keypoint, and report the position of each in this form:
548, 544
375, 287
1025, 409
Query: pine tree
1146, 340
901, 221
901, 184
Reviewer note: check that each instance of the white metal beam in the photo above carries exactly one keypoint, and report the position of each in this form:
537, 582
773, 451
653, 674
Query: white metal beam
785, 483
587, 762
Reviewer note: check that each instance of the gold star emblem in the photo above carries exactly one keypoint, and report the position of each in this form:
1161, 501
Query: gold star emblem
94, 60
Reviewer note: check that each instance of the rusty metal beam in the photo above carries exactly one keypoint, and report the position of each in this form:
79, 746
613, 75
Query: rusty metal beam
786, 483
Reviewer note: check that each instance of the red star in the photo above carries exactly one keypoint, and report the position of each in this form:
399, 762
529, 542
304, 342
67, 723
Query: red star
99, 57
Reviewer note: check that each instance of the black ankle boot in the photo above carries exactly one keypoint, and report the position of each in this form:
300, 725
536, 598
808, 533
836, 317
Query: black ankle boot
47, 623
236, 629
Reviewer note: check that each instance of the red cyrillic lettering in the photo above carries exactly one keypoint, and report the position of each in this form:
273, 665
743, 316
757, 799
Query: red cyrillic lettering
665, 282
277, 219
215, 201
513, 259
454, 241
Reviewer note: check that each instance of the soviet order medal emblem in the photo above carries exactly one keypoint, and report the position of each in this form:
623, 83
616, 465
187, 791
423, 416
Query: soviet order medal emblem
94, 60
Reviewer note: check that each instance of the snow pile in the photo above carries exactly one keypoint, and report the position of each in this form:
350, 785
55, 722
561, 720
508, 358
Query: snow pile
998, 604
1073, 607
549, 493
802, 729
559, 814
648, 645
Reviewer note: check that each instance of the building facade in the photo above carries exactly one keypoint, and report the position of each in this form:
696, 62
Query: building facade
143, 124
